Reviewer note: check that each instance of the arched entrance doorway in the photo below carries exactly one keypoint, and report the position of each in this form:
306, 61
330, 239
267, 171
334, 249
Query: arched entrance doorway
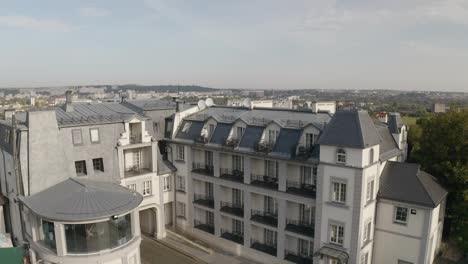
149, 222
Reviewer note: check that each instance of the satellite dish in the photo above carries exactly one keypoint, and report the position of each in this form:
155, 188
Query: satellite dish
201, 105
247, 103
209, 102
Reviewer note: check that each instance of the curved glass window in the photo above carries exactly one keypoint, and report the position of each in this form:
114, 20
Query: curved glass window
87, 238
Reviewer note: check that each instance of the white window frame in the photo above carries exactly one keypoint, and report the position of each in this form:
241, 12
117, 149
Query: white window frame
78, 133
396, 215
180, 183
272, 136
336, 230
132, 186
240, 132
180, 150
310, 140
365, 258
338, 191
370, 190
147, 188
341, 156
166, 183
94, 136
367, 231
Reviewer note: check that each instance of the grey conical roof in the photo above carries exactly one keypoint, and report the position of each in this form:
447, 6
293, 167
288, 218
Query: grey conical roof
81, 200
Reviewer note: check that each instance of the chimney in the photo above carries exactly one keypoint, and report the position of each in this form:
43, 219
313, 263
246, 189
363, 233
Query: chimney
68, 101
174, 99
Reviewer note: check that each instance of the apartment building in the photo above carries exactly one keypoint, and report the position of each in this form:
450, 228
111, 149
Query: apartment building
286, 186
83, 181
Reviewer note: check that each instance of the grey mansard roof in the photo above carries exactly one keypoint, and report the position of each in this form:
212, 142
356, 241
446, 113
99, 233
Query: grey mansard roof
394, 123
388, 145
351, 129
405, 182
82, 200
221, 133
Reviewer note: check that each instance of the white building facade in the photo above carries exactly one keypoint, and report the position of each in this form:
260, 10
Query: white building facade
282, 186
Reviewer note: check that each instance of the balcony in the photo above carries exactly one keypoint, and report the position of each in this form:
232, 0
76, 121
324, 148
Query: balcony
268, 218
231, 143
203, 168
236, 237
264, 181
209, 228
300, 227
232, 208
297, 258
231, 174
204, 200
265, 248
136, 171
299, 188
264, 147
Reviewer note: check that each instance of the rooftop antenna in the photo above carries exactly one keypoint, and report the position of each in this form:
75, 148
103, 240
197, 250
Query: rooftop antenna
247, 103
209, 102
201, 104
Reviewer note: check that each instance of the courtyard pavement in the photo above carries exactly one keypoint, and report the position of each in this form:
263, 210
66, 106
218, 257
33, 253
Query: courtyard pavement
155, 252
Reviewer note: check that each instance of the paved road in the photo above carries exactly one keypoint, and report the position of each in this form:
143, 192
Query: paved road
155, 252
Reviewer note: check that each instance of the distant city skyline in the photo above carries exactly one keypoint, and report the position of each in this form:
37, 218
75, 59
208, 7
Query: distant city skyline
256, 44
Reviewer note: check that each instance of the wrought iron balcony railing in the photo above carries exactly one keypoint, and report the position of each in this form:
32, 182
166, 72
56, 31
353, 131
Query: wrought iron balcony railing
209, 228
298, 258
269, 248
234, 236
205, 200
301, 188
300, 227
231, 174
232, 208
264, 217
264, 181
203, 168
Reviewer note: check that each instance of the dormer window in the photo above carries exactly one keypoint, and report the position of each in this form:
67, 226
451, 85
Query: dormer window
211, 128
240, 132
272, 136
310, 140
341, 156
186, 127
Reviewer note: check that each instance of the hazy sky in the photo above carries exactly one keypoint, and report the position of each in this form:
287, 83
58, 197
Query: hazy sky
270, 44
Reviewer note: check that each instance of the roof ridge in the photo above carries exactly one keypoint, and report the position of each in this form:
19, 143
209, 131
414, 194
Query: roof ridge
422, 184
361, 137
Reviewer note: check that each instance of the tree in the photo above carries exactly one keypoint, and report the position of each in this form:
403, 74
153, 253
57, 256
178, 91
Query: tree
442, 150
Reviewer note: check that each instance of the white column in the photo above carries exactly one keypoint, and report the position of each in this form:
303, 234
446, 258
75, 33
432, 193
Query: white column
216, 161
281, 226
217, 205
60, 241
247, 170
247, 226
282, 175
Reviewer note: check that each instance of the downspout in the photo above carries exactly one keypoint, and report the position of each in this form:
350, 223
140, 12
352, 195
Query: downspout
19, 182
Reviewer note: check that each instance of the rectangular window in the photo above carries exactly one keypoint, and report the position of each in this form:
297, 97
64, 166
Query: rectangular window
370, 191
367, 231
237, 198
341, 156
94, 135
270, 205
339, 192
365, 258
209, 189
237, 163
271, 168
180, 209
237, 227
269, 237
336, 234
209, 217
307, 176
77, 138
146, 188
211, 129
310, 140
272, 136
240, 132
180, 152
180, 183
209, 158
132, 187
305, 247
167, 183
401, 214
98, 164
306, 214
7, 136
80, 167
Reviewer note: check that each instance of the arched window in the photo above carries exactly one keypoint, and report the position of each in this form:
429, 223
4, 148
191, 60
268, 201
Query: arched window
371, 156
341, 156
